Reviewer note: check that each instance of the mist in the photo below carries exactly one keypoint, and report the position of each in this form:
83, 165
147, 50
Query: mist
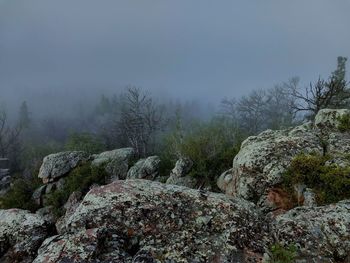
58, 53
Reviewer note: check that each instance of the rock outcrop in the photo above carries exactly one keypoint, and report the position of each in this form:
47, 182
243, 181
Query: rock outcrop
262, 160
328, 119
116, 162
58, 165
321, 234
21, 234
147, 168
135, 219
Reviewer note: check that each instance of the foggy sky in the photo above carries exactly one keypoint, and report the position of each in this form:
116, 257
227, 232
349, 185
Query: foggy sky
206, 50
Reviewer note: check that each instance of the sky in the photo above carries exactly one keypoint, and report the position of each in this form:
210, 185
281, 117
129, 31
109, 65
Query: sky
56, 51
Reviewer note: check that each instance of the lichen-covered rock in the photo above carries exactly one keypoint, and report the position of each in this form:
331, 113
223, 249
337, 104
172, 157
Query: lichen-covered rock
328, 119
263, 159
58, 165
179, 175
141, 219
322, 234
116, 162
90, 245
147, 168
21, 234
70, 206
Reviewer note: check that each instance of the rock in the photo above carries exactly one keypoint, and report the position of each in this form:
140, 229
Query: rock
322, 234
263, 159
187, 181
21, 234
141, 219
60, 164
147, 168
309, 198
328, 119
47, 214
70, 207
38, 195
182, 167
92, 245
116, 162
179, 175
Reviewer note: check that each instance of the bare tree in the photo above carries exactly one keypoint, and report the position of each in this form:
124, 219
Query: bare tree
331, 93
140, 119
10, 146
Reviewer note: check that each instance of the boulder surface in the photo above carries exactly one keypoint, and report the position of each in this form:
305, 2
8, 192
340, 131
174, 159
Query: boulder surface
137, 219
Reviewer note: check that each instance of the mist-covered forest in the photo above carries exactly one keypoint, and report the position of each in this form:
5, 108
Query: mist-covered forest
134, 117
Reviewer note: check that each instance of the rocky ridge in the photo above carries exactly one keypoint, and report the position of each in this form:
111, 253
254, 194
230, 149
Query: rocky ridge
138, 220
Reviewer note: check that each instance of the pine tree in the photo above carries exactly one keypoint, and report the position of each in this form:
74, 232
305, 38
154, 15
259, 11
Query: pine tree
24, 119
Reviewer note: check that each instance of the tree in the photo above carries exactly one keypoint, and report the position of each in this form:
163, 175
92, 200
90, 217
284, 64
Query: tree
141, 118
331, 93
24, 120
10, 143
104, 106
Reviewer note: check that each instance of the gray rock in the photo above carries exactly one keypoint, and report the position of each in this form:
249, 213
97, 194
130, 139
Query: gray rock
322, 234
38, 195
70, 206
182, 167
263, 159
179, 175
141, 219
116, 162
328, 119
60, 164
147, 168
47, 214
84, 246
21, 234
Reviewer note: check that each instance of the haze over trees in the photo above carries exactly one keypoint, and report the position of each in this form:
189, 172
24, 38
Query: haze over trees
171, 129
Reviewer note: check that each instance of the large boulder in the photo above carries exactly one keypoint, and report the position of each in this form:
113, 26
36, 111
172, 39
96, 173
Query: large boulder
321, 234
263, 159
21, 234
328, 119
147, 168
60, 164
145, 221
116, 162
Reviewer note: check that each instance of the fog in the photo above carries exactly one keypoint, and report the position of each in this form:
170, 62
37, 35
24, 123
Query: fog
58, 53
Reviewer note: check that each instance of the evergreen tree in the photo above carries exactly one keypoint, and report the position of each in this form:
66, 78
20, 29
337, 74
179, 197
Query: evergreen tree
24, 119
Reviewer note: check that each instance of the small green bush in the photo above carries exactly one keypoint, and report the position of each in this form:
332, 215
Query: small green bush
344, 123
209, 145
280, 254
330, 183
80, 179
84, 142
20, 194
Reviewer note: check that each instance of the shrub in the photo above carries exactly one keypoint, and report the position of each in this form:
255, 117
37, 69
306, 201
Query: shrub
20, 194
280, 254
210, 146
84, 142
330, 183
344, 123
80, 179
